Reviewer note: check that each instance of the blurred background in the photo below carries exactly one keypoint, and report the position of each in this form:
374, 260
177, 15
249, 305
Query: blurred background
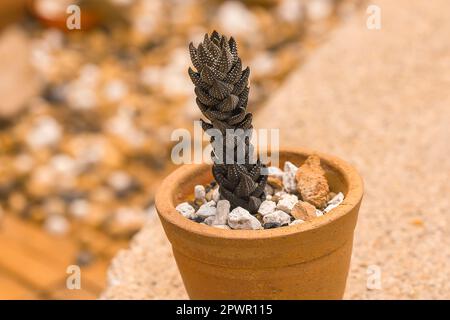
86, 117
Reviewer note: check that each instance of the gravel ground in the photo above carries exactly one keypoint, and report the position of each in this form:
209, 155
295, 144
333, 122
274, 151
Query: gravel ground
379, 99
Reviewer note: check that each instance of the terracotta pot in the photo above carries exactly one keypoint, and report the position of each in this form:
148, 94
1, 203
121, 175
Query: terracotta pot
306, 261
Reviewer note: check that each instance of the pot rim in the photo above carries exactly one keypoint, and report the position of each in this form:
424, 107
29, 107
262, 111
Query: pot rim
166, 208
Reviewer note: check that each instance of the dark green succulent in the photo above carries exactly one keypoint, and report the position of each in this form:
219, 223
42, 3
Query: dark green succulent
221, 87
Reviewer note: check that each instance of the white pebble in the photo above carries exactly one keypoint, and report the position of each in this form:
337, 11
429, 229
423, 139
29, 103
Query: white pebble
216, 195
56, 224
200, 193
275, 172
120, 180
46, 131
298, 221
222, 212
234, 17
115, 90
319, 9
240, 218
278, 216
210, 220
319, 213
333, 203
185, 209
287, 202
268, 190
290, 10
279, 194
79, 208
206, 210
267, 207
289, 183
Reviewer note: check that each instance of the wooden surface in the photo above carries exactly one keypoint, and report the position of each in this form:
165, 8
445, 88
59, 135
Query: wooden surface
33, 263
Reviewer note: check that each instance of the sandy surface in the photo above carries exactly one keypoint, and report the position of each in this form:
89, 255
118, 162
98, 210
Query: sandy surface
381, 100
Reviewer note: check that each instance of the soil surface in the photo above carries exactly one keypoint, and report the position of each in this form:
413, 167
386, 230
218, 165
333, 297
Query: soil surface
379, 99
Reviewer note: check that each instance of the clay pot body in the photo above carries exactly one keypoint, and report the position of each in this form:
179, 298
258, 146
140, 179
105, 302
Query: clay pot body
306, 261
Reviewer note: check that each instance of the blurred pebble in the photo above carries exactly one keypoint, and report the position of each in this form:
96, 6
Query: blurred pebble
56, 225
79, 208
319, 9
235, 19
44, 132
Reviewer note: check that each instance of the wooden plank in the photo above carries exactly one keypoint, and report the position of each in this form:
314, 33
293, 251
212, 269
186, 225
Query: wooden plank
30, 267
30, 246
99, 243
11, 289
94, 275
57, 249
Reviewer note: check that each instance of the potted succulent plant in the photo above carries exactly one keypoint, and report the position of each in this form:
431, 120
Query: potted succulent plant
255, 233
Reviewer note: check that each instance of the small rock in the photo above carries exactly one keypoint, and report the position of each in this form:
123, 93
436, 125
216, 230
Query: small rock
319, 9
46, 131
290, 10
268, 190
79, 208
275, 172
297, 221
289, 177
275, 183
267, 207
304, 211
311, 182
120, 181
235, 17
240, 218
56, 224
333, 203
115, 90
222, 212
271, 225
216, 195
319, 213
207, 210
278, 216
210, 220
277, 196
269, 197
287, 202
185, 209
200, 193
